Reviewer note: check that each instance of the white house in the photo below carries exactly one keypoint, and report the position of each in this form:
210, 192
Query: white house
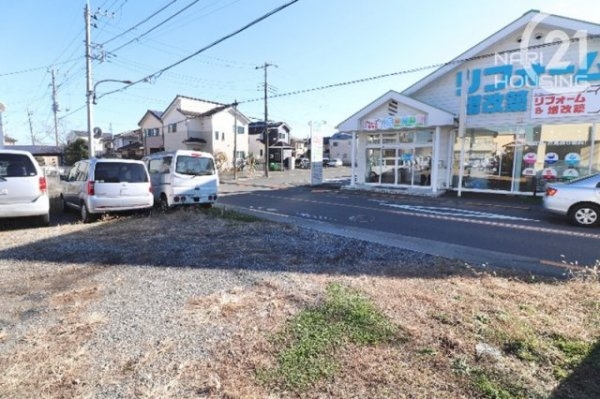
193, 123
340, 147
96, 138
515, 111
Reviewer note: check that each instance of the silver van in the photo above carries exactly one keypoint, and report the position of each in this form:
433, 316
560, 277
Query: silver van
103, 185
23, 187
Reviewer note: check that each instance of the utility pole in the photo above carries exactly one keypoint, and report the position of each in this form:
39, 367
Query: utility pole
29, 114
266, 133
235, 163
88, 74
55, 107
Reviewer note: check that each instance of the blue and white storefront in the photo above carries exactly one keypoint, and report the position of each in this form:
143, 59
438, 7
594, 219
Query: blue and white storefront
519, 109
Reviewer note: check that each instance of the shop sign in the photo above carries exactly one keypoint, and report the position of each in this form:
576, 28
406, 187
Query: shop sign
572, 159
551, 158
529, 172
506, 86
570, 173
549, 173
552, 105
530, 158
395, 122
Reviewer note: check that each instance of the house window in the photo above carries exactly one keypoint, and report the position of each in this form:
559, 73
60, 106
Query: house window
241, 130
152, 132
216, 135
262, 154
335, 143
223, 136
172, 127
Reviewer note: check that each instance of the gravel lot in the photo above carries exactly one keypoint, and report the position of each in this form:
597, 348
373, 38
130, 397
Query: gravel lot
120, 290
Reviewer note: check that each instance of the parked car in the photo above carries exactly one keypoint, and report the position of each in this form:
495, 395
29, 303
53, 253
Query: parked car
183, 177
335, 162
103, 185
23, 187
578, 199
302, 163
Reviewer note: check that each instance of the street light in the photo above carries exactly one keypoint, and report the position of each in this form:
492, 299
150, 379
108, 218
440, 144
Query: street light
91, 100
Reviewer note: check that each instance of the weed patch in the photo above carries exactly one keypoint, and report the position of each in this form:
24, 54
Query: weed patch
309, 342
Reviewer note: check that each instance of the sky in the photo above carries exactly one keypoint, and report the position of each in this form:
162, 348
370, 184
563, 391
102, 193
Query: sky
310, 44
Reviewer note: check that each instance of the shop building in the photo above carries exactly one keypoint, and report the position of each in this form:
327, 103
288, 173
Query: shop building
519, 109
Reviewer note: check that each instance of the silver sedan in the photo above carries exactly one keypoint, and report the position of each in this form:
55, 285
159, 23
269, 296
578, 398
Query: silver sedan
578, 199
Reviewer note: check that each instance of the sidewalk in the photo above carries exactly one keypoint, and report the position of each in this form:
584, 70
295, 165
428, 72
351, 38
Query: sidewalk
280, 179
340, 176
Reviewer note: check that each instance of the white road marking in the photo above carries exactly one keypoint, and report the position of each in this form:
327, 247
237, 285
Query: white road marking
444, 211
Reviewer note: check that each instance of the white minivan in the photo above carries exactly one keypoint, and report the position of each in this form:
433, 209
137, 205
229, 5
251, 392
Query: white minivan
183, 177
104, 185
23, 187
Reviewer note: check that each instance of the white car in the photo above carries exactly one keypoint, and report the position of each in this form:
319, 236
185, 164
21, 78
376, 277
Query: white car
105, 185
23, 187
578, 199
335, 162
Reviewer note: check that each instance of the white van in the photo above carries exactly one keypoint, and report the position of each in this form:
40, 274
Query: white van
183, 177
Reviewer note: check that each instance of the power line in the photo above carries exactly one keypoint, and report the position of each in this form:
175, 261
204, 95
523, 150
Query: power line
154, 27
339, 84
412, 70
222, 39
139, 23
46, 67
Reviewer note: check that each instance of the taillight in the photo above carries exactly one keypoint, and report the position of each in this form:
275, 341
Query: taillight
550, 191
90, 188
43, 184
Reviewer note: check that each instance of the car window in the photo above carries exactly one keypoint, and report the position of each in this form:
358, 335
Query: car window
81, 173
16, 165
194, 165
119, 172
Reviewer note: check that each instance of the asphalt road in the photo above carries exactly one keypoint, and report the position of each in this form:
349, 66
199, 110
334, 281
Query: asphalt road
484, 230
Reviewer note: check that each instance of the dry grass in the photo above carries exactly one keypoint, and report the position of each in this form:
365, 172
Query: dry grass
52, 361
540, 328
444, 318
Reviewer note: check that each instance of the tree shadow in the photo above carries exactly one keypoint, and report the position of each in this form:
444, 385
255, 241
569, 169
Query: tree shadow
584, 382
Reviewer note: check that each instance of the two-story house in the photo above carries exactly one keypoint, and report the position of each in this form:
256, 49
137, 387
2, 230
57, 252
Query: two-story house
128, 144
196, 124
279, 137
340, 147
153, 139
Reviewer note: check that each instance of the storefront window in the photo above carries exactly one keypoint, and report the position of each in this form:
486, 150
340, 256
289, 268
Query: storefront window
390, 138
399, 159
374, 138
407, 137
524, 159
423, 137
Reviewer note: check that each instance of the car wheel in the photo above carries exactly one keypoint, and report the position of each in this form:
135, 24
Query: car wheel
64, 208
584, 215
86, 216
44, 220
163, 204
